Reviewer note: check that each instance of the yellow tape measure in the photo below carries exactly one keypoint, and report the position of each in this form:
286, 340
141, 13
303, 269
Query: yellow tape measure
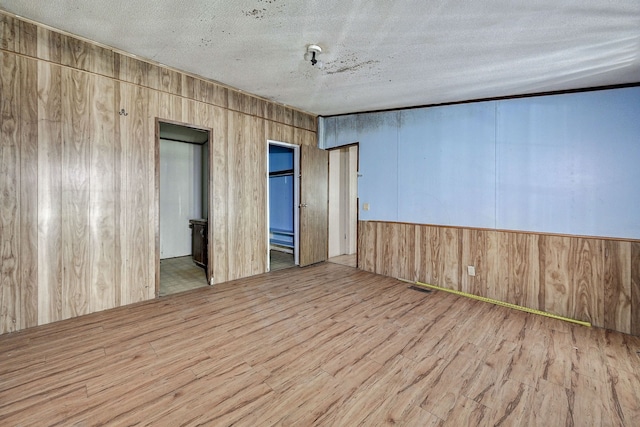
496, 302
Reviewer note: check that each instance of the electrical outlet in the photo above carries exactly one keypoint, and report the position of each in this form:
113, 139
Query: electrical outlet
365, 206
471, 270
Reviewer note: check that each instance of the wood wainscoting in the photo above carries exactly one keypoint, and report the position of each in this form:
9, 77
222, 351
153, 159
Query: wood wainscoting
585, 278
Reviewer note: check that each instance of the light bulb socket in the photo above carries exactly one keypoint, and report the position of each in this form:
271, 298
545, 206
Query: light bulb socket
313, 51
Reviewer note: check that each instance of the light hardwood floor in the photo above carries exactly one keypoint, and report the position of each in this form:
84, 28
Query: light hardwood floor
323, 345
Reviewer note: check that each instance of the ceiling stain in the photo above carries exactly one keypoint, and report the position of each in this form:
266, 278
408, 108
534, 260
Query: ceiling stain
261, 12
353, 67
256, 13
205, 42
429, 52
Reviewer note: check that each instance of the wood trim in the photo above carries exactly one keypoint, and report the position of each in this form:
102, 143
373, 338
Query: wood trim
462, 227
498, 98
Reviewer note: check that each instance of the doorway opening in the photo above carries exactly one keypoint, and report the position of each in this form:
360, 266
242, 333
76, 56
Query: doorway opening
343, 205
283, 199
182, 179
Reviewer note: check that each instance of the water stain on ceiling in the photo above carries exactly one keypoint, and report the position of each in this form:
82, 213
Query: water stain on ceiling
377, 54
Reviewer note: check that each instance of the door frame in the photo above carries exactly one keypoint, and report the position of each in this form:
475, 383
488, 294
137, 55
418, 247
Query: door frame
156, 156
357, 225
296, 200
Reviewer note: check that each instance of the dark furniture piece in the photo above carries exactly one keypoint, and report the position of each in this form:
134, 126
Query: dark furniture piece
199, 242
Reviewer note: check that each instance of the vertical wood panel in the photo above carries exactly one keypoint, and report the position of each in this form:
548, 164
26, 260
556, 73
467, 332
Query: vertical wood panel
501, 282
10, 190
421, 256
256, 173
617, 286
557, 277
154, 77
118, 203
288, 116
136, 243
190, 111
261, 108
449, 253
406, 252
493, 265
76, 105
387, 261
472, 250
275, 112
153, 208
244, 258
131, 70
169, 107
49, 193
188, 86
170, 81
367, 244
381, 248
279, 132
29, 192
221, 96
235, 229
86, 56
17, 35
103, 227
219, 196
49, 45
523, 264
586, 265
635, 288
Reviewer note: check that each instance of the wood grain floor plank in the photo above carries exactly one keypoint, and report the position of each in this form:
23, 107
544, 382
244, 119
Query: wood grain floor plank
323, 345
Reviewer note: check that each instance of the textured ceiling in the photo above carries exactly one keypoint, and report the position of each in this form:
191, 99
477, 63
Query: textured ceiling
378, 54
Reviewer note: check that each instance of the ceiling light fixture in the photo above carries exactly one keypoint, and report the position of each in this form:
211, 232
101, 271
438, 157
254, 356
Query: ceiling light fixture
313, 50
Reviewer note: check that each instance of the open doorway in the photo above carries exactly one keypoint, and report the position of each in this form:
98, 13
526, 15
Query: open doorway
183, 193
343, 205
283, 198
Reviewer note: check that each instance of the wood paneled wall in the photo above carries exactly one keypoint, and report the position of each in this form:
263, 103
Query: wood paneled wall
590, 279
78, 208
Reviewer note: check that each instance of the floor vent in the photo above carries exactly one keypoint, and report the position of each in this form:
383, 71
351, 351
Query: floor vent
421, 289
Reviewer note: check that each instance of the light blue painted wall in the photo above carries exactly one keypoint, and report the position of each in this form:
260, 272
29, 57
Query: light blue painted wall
281, 203
446, 166
281, 189
280, 158
565, 163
